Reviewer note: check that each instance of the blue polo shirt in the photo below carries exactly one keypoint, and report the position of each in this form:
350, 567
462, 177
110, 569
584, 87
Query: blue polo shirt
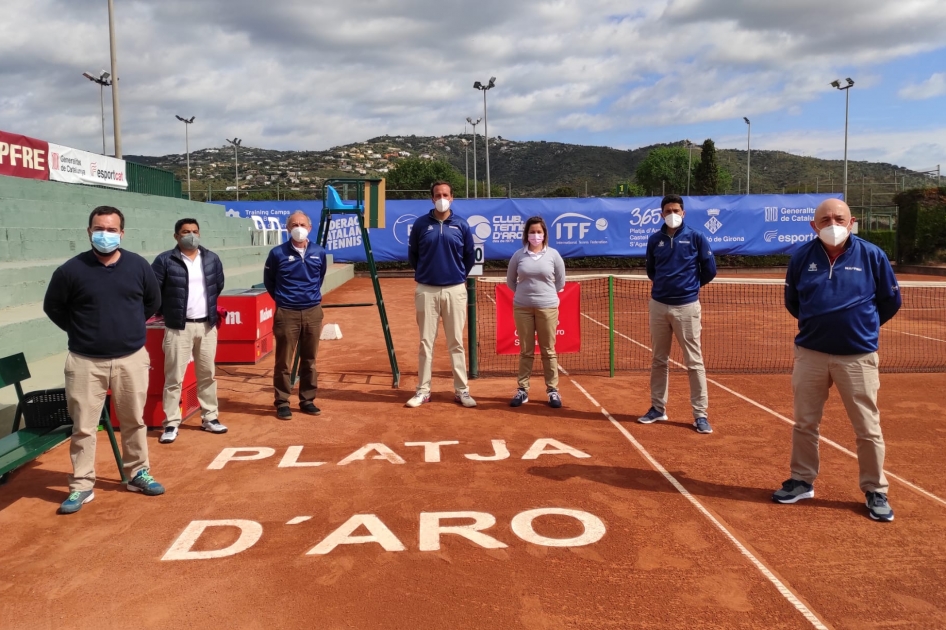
294, 280
679, 265
841, 306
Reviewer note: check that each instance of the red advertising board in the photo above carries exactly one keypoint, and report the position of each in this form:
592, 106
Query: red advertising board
21, 156
567, 334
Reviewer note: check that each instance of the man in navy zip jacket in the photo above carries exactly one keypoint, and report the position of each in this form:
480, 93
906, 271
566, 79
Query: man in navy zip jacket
842, 290
679, 262
293, 276
441, 252
191, 280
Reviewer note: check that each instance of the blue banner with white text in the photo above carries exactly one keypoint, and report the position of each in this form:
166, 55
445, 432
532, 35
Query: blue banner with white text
745, 225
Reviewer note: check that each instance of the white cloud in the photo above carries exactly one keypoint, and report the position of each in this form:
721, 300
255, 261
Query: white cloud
297, 74
934, 86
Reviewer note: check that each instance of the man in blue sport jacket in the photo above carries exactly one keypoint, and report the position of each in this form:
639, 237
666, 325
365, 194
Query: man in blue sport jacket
191, 280
679, 262
441, 252
842, 290
293, 277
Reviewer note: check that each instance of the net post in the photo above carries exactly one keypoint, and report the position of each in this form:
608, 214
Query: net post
611, 324
472, 349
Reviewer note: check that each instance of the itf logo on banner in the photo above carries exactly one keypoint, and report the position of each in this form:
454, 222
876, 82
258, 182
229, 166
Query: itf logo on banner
572, 228
567, 333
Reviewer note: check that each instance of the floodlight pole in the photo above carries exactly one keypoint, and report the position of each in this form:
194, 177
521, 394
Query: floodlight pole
484, 88
748, 152
466, 145
847, 101
236, 164
116, 112
187, 147
476, 192
102, 80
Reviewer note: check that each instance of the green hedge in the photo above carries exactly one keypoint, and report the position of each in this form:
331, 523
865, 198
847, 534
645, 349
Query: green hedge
884, 239
921, 233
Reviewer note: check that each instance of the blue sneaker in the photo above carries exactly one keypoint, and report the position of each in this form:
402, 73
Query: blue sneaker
75, 501
702, 425
878, 507
652, 416
555, 399
522, 396
145, 483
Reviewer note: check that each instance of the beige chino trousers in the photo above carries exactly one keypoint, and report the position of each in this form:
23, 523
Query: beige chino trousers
433, 304
541, 322
685, 323
87, 382
198, 340
858, 380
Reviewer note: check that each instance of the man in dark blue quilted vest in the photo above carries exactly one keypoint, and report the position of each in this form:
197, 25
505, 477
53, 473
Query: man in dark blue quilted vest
191, 280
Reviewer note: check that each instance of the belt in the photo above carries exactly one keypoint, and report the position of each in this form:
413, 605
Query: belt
196, 321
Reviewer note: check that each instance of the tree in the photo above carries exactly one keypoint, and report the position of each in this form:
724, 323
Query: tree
563, 191
418, 174
664, 169
706, 173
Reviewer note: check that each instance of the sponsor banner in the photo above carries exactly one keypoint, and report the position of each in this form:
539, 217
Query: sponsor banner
567, 333
746, 225
81, 167
21, 156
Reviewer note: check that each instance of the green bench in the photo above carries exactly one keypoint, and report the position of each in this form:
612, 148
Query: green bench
46, 421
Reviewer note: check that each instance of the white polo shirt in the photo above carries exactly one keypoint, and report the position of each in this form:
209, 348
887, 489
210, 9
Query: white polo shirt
196, 287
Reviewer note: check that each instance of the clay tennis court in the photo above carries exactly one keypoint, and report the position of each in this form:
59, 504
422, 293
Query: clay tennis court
668, 528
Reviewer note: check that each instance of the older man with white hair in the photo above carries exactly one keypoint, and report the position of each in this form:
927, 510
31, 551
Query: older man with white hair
842, 290
293, 276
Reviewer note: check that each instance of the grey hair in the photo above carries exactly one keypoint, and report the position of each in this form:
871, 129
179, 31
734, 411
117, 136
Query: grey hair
307, 219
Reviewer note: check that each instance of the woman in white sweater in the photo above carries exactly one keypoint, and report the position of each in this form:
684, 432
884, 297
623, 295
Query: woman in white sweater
536, 274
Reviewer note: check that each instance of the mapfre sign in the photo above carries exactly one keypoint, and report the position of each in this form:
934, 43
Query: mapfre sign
22, 156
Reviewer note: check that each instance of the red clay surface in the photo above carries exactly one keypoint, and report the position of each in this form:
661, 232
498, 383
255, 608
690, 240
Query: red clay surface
660, 564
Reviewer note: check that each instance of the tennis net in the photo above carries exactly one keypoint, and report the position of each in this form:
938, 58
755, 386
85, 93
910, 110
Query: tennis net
746, 328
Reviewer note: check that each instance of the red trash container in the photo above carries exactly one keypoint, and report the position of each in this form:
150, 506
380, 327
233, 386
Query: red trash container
246, 334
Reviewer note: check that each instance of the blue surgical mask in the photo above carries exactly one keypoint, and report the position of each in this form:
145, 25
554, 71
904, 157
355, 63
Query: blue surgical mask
106, 242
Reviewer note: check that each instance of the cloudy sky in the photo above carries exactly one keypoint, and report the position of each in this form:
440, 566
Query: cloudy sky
293, 74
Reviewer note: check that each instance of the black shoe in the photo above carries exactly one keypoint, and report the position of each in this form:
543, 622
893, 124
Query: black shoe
309, 408
283, 413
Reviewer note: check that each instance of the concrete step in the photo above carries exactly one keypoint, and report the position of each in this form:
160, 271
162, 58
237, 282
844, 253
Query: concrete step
23, 282
47, 370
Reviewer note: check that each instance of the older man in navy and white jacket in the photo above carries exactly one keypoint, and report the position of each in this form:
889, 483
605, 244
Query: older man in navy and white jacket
842, 290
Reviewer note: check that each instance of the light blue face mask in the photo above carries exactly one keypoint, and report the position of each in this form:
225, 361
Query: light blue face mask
106, 242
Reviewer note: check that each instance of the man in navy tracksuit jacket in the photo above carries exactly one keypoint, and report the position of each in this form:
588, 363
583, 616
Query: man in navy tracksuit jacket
841, 289
679, 262
293, 276
441, 252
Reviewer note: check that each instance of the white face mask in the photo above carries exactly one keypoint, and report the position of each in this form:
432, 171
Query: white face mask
833, 235
536, 239
673, 221
299, 234
442, 205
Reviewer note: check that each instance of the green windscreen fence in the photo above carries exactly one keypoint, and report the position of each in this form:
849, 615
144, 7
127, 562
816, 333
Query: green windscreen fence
746, 328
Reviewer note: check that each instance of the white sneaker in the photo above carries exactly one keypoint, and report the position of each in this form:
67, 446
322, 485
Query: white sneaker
418, 400
213, 426
169, 435
464, 399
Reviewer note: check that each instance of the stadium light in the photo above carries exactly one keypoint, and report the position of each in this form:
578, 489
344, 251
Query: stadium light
187, 147
748, 152
236, 142
116, 111
847, 101
103, 81
484, 88
476, 192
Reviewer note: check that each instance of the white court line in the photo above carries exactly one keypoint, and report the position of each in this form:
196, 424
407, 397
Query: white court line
758, 564
832, 443
913, 335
